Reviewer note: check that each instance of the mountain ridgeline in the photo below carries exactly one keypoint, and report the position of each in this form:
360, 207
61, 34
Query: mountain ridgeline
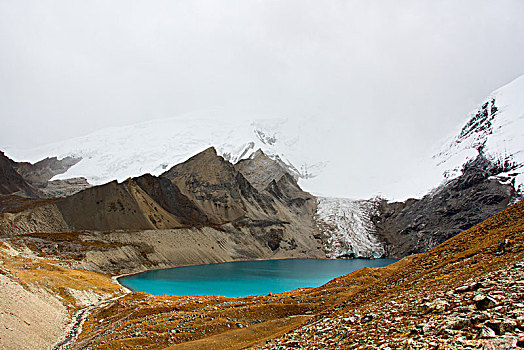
260, 196
205, 195
206, 190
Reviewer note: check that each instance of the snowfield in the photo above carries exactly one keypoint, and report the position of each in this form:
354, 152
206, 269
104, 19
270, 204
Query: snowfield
155, 146
496, 127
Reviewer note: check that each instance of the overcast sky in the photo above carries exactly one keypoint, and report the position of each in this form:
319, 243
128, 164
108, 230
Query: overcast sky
395, 76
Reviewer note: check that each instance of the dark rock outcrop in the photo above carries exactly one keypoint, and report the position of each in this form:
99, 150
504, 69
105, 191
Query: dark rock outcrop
33, 180
417, 225
11, 182
39, 173
168, 196
218, 189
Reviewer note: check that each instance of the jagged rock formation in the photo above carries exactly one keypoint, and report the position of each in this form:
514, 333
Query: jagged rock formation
219, 190
417, 225
11, 182
39, 173
205, 199
261, 170
32, 180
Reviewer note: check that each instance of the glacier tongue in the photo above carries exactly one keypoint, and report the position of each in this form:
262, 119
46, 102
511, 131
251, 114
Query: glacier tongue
347, 227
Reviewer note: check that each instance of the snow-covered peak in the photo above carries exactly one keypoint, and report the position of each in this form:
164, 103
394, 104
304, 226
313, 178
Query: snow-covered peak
495, 128
155, 146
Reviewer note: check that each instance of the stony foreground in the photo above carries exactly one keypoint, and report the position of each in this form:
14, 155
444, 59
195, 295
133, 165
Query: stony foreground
487, 314
467, 293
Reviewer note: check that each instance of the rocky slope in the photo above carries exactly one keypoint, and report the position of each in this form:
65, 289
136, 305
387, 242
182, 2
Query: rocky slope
40, 294
418, 225
200, 211
465, 293
33, 180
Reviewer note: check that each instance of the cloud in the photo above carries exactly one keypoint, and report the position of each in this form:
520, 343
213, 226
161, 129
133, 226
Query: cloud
394, 77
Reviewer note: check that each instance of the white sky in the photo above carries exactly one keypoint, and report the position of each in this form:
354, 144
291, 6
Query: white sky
393, 77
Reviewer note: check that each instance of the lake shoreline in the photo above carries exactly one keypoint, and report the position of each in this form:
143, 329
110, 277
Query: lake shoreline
240, 278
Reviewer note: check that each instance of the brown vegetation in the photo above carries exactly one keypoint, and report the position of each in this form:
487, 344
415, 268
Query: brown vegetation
154, 322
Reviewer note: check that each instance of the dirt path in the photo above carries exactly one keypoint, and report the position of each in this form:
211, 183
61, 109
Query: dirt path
75, 326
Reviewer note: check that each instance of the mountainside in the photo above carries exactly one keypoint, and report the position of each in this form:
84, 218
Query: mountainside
482, 168
417, 225
204, 191
219, 189
11, 181
496, 130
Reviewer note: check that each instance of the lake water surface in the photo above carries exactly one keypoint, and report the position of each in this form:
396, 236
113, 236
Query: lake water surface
243, 278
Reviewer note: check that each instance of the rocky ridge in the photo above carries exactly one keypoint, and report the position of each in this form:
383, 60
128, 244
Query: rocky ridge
11, 181
33, 180
201, 211
417, 225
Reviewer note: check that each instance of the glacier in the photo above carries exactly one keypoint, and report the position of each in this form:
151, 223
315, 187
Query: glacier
348, 229
157, 145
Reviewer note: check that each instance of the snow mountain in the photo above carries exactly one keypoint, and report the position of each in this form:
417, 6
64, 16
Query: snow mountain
482, 171
155, 146
481, 166
495, 129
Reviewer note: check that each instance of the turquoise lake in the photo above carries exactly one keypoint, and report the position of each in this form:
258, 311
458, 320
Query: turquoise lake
243, 278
